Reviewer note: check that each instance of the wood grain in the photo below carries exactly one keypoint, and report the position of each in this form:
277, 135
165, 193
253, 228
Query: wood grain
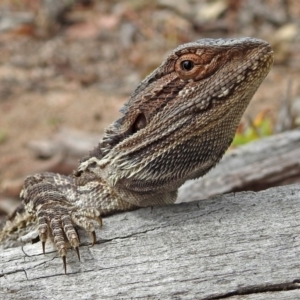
264, 163
237, 246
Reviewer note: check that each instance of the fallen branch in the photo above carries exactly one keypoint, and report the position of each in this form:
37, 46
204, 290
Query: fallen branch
239, 246
256, 166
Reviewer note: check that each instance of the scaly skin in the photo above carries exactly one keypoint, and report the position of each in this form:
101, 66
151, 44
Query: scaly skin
176, 126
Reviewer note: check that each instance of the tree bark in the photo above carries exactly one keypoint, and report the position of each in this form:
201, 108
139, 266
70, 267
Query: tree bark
256, 166
238, 246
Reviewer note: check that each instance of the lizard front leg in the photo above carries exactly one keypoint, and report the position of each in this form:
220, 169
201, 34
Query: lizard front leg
57, 204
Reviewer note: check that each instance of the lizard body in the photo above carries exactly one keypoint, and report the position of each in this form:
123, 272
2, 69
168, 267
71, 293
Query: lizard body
176, 126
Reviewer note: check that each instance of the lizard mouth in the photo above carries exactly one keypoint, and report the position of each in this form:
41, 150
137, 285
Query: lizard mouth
252, 73
217, 89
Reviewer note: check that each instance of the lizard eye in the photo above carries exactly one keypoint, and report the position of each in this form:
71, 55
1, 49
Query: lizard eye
139, 123
187, 65
194, 66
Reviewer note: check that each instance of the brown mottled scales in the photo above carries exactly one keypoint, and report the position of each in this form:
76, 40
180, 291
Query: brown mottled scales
176, 126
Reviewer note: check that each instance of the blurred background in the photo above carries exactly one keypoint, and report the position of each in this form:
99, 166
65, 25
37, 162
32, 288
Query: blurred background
67, 66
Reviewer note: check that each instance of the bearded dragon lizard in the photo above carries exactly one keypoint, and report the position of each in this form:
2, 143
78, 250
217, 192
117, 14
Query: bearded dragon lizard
176, 126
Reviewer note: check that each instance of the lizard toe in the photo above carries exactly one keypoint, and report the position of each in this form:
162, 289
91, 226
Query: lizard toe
85, 217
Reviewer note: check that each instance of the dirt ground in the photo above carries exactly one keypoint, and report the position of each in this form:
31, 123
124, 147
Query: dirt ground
80, 75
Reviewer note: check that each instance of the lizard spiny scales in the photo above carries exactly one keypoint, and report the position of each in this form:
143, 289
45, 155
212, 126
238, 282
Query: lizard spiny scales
176, 126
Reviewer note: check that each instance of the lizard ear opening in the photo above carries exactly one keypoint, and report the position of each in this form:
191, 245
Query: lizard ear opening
139, 123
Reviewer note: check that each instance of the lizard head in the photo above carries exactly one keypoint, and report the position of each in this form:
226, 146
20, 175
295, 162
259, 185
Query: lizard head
181, 118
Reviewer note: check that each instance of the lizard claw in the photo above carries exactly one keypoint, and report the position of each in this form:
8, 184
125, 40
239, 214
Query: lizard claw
93, 238
43, 246
65, 263
61, 221
78, 253
99, 221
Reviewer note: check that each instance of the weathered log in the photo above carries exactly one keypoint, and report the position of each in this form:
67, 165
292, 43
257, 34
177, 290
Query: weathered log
239, 246
255, 166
